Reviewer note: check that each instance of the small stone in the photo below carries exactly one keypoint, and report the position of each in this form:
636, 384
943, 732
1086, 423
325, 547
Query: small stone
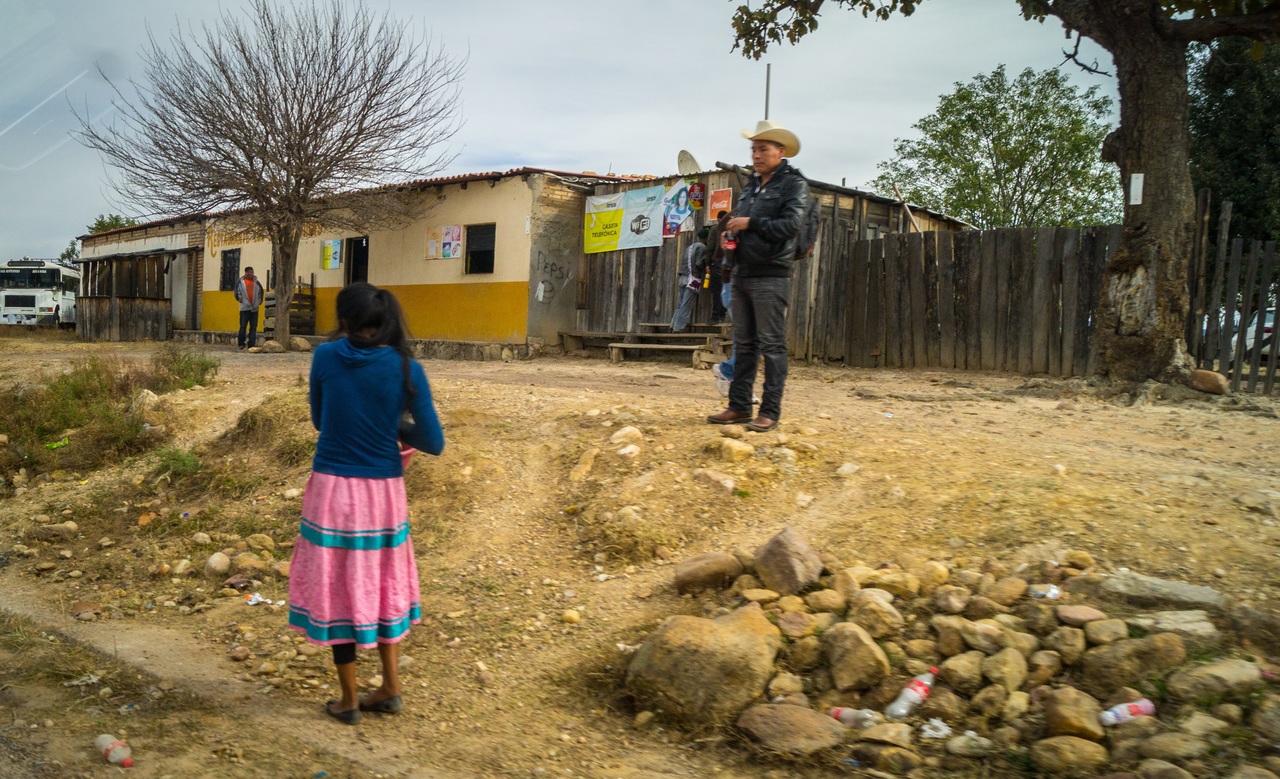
1043, 666
877, 617
629, 452
293, 493
790, 730
1069, 712
951, 599
970, 745
713, 570
963, 672
642, 720
1007, 667
570, 616
1007, 591
1105, 631
984, 635
797, 624
756, 595
989, 701
826, 600
201, 539
1069, 643
1199, 724
1188, 624
260, 542
1078, 558
1077, 616
735, 451
627, 435
1161, 769
1227, 677
1069, 755
1173, 747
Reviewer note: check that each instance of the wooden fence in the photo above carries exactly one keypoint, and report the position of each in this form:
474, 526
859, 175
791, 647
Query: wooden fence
1016, 299
1233, 312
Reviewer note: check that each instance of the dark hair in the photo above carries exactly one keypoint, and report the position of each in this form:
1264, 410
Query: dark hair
248, 269
362, 306
704, 231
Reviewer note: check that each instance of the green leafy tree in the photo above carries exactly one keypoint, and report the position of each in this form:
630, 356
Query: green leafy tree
71, 253
1144, 300
1001, 153
1235, 131
106, 222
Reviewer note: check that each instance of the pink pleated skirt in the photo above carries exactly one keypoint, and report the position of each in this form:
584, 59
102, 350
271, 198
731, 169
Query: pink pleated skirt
353, 577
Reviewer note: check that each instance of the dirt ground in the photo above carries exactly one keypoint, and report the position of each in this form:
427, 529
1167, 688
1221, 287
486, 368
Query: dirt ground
954, 466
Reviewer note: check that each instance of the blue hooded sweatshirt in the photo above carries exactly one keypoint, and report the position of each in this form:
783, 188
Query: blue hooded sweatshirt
357, 397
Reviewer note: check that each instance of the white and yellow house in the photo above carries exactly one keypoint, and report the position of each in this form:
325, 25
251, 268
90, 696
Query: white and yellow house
494, 258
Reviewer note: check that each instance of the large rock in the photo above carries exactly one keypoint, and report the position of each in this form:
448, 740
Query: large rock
790, 730
856, 661
1007, 591
1193, 624
896, 733
1215, 680
1210, 382
951, 599
1123, 663
1162, 769
299, 344
827, 600
1149, 591
1043, 666
900, 583
787, 564
984, 635
272, 347
1173, 746
702, 671
1070, 643
875, 616
948, 627
249, 564
1266, 717
713, 570
1077, 614
1069, 712
1008, 667
963, 672
943, 704
1069, 756
218, 564
1106, 631
1251, 772
261, 542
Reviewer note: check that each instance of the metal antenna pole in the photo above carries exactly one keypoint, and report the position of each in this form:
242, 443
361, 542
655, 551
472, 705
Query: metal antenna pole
768, 72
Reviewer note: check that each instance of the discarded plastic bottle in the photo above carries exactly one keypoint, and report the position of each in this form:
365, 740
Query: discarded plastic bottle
115, 751
857, 719
916, 691
1127, 711
1043, 592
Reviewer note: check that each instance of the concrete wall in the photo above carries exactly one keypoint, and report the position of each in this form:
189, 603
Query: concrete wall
554, 267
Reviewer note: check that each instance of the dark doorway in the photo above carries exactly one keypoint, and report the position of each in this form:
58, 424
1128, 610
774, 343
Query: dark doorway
357, 251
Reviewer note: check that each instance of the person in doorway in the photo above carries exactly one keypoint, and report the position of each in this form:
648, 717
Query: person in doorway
691, 269
353, 580
249, 295
765, 225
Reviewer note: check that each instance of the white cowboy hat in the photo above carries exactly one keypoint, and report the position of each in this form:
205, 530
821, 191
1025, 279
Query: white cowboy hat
772, 131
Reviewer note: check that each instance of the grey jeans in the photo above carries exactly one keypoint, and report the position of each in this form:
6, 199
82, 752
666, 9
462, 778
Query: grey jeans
759, 331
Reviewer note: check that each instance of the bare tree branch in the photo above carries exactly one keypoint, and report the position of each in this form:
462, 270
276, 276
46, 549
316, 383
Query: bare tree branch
1074, 56
281, 116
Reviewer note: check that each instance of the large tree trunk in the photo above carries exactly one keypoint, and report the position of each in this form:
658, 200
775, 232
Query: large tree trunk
1144, 301
285, 245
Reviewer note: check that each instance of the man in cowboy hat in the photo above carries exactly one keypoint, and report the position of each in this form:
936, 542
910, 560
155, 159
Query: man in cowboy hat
765, 224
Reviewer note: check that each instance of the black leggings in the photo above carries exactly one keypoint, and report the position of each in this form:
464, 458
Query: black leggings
344, 653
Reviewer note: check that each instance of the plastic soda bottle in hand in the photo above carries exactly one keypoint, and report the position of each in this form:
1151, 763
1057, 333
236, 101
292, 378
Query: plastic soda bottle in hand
115, 751
1127, 711
916, 691
854, 718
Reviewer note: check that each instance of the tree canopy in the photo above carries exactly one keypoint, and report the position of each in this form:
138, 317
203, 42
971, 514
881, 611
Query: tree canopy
1010, 153
105, 222
278, 120
1235, 131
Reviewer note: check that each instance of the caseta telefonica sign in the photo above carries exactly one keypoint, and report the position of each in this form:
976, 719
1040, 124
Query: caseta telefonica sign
625, 220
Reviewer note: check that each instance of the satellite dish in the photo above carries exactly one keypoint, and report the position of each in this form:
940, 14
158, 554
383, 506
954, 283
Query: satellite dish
686, 164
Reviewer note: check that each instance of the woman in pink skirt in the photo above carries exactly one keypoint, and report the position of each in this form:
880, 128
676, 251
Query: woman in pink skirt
353, 582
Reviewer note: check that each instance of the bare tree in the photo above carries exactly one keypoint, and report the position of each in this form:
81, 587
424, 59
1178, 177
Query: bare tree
283, 119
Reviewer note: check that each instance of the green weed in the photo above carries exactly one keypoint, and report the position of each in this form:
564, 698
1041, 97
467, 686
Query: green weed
176, 462
177, 367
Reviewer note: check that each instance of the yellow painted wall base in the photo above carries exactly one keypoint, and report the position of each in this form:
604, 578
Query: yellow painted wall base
494, 312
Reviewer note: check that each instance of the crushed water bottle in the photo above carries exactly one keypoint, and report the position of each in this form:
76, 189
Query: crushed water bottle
858, 719
1127, 711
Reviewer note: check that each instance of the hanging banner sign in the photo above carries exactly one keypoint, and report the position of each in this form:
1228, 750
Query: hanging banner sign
721, 200
675, 208
624, 220
331, 254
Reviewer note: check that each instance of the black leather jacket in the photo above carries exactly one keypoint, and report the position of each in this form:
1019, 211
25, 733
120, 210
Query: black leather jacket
768, 246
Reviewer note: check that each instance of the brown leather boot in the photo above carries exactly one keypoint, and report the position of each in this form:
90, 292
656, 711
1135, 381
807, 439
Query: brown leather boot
729, 417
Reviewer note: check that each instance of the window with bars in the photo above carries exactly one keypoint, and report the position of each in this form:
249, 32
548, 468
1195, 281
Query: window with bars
230, 270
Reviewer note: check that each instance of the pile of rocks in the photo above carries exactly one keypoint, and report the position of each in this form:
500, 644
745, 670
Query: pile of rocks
1025, 666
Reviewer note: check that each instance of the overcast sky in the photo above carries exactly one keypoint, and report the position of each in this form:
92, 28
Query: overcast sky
576, 85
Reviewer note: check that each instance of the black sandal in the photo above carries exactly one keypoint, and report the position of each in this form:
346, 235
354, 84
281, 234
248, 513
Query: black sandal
348, 717
392, 705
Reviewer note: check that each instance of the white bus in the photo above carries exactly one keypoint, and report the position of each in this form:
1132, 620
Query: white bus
38, 292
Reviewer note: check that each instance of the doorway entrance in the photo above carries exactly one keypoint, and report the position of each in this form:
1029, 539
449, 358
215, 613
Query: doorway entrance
357, 251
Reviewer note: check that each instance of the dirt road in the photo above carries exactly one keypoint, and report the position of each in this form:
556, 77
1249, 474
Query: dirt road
960, 467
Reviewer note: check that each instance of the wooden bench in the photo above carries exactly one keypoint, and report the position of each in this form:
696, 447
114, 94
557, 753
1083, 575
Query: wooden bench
702, 355
575, 340
722, 328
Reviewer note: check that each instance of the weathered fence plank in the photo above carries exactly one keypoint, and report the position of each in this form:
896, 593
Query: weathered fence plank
916, 282
947, 301
1263, 298
893, 303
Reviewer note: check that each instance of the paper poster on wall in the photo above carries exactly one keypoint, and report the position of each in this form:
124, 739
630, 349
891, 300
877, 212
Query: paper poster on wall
433, 243
721, 200
676, 209
624, 220
331, 254
451, 242
697, 195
